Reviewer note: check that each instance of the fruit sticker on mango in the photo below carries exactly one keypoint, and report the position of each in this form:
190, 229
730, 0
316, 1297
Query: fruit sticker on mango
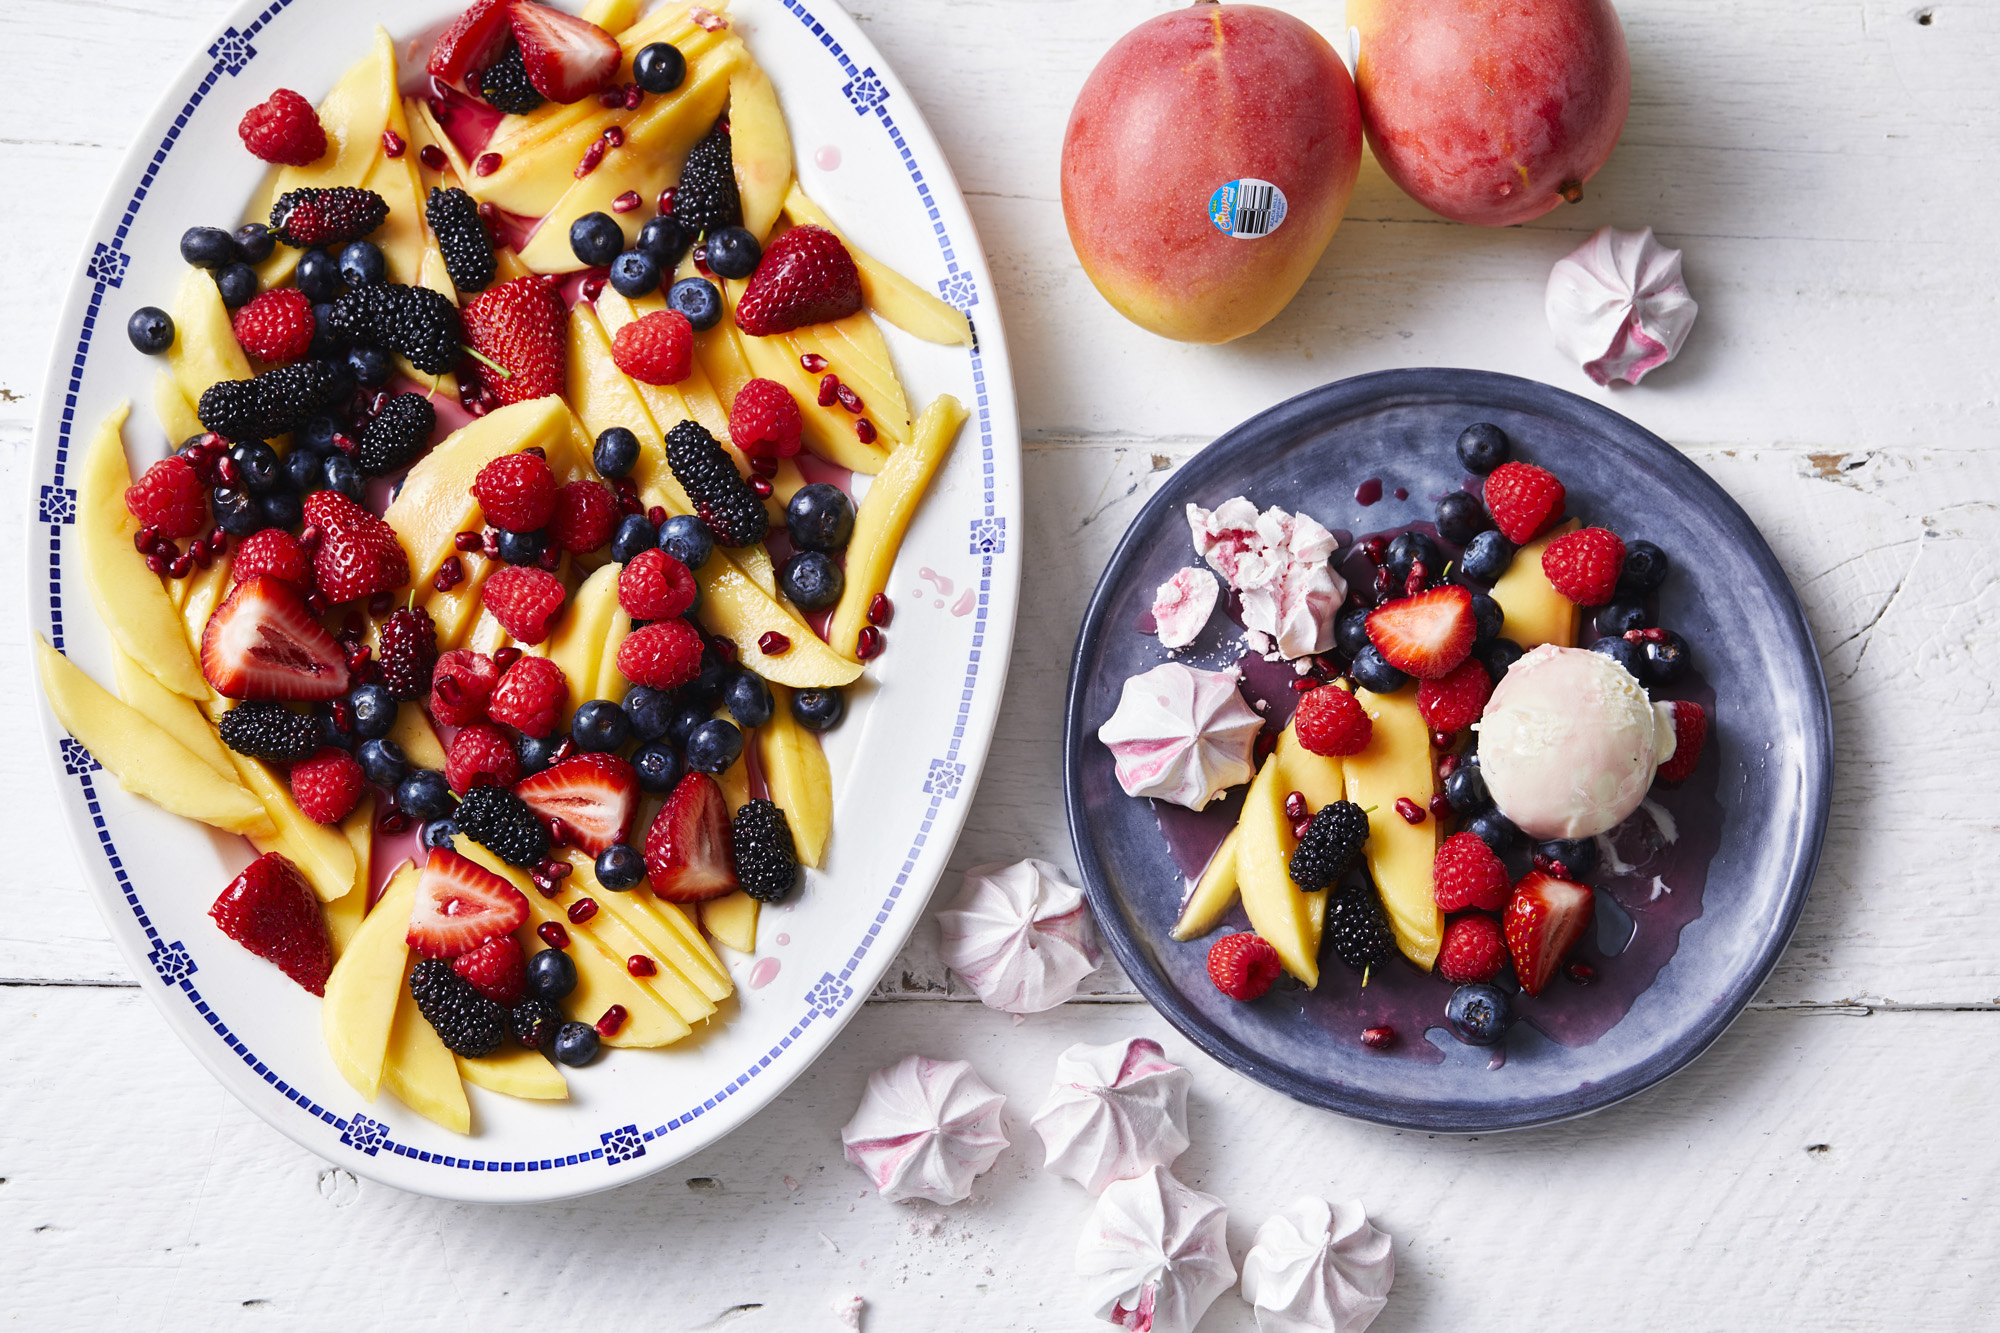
1247, 209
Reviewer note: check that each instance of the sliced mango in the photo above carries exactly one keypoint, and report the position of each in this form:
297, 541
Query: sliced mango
205, 351
1536, 613
1395, 764
735, 607
887, 292
796, 773
420, 743
345, 913
732, 920
176, 714
577, 645
516, 1071
1213, 893
760, 146
829, 429
420, 1068
856, 351
363, 992
175, 412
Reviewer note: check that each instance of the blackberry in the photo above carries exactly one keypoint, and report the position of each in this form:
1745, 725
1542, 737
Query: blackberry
314, 217
766, 864
706, 197
408, 651
720, 495
398, 436
269, 731
534, 1023
1360, 936
466, 1021
462, 237
504, 84
415, 322
502, 823
268, 404
1332, 841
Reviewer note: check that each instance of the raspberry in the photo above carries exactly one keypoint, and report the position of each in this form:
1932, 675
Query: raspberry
1584, 565
655, 586
1455, 700
657, 348
764, 421
585, 518
461, 683
276, 326
468, 1023
170, 498
530, 696
1330, 721
497, 969
1333, 840
462, 238
399, 435
721, 497
1524, 501
1466, 873
328, 785
480, 755
664, 655
516, 492
706, 197
502, 823
283, 129
761, 840
1243, 965
275, 552
1472, 951
407, 649
416, 323
1690, 734
358, 555
321, 217
525, 601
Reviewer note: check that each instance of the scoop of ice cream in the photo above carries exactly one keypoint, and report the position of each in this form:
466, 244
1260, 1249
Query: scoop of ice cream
1020, 936
1183, 605
925, 1129
1278, 563
1155, 1254
1569, 742
1318, 1268
1617, 305
1181, 735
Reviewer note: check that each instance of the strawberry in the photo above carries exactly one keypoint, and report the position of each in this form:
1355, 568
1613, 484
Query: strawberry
480, 754
1467, 873
270, 910
263, 644
497, 969
275, 552
688, 857
655, 586
764, 421
1243, 965
461, 905
530, 696
1584, 565
170, 498
1427, 635
1690, 734
521, 326
568, 58
525, 601
664, 655
1472, 950
597, 795
327, 786
283, 129
656, 348
276, 326
1545, 918
516, 492
805, 277
461, 683
474, 40
1525, 501
1454, 701
585, 517
1330, 721
358, 554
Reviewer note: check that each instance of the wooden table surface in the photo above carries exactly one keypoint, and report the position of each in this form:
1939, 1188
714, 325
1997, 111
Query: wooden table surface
1832, 171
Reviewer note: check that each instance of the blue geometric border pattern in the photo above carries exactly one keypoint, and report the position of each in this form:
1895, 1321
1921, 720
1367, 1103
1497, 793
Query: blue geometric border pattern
176, 963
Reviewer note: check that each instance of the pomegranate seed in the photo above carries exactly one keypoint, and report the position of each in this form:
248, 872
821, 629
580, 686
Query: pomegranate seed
554, 869
707, 19
1411, 812
1581, 973
880, 609
1299, 830
582, 910
591, 157
656, 515
1378, 1039
357, 657
625, 202
614, 1018
346, 443
762, 486
559, 834
352, 626
179, 566
813, 363
450, 574
553, 934
310, 537
615, 136
592, 288
469, 540
700, 256
1304, 683
764, 467
143, 540
1440, 807
773, 644
634, 95
1443, 740
506, 657
1295, 806
665, 203
393, 822
726, 649
486, 165
199, 553
868, 644
564, 749
544, 884
488, 213
848, 399
641, 966
865, 430
227, 472
629, 504
1376, 549
1447, 766
1266, 742
611, 97
317, 604
343, 715
392, 144
432, 157
379, 604
550, 557
624, 486
1382, 581
829, 389
1413, 582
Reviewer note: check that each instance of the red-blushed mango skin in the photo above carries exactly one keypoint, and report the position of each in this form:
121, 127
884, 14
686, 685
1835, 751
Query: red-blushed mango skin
1183, 104
1491, 112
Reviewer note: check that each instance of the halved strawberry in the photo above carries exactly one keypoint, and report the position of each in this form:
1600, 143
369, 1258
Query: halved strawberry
461, 905
1427, 635
474, 40
595, 794
1544, 919
568, 58
270, 910
1690, 733
687, 848
263, 644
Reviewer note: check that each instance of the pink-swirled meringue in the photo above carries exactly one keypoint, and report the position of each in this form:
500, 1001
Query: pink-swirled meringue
1116, 1111
1318, 1267
925, 1129
1181, 735
1154, 1254
1183, 604
1279, 565
1618, 305
1020, 935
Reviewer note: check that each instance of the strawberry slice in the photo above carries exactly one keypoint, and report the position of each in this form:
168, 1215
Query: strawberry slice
568, 58
595, 794
270, 910
1690, 734
687, 848
1427, 635
1544, 919
461, 905
474, 40
263, 644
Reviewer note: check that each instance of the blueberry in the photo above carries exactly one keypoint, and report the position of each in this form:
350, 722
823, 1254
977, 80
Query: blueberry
688, 540
383, 761
522, 548
698, 299
616, 452
374, 710
340, 382
330, 732
649, 712
1665, 659
733, 252
659, 767
151, 330
811, 581
343, 475
1460, 516
1372, 670
1625, 653
620, 866
1486, 557
659, 67
1350, 631
281, 509
210, 248
537, 752
258, 462
1577, 857
1466, 790
551, 974
1621, 615
820, 517
237, 284
1645, 569
635, 534
361, 264
1497, 656
305, 471
255, 241
236, 511
326, 344
686, 718
1479, 1015
1482, 447
666, 240
1487, 618
424, 794
714, 746
1495, 830
818, 709
438, 833
370, 365
599, 726
317, 432
748, 699
596, 239
705, 690
576, 1043
1408, 548
318, 275
635, 274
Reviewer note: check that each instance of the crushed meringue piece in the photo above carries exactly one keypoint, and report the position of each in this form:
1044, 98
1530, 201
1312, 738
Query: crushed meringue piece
847, 1309
1020, 935
1279, 565
1183, 605
1115, 1111
1618, 305
1318, 1267
925, 1129
1182, 735
1154, 1254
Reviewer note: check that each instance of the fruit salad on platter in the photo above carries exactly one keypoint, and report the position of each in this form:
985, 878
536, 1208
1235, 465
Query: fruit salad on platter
518, 503
1403, 765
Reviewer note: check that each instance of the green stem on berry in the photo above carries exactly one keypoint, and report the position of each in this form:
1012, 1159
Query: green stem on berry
488, 362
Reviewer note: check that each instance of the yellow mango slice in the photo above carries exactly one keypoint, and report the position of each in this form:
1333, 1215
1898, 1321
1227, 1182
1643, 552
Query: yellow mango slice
176, 714
733, 606
605, 396
175, 412
366, 987
420, 1068
320, 851
345, 913
1264, 844
856, 351
1535, 612
614, 16
1213, 893
612, 929
412, 731
732, 920
887, 292
760, 147
796, 772
1397, 763
453, 612
829, 430
517, 1072
205, 351
1322, 781
578, 642
667, 936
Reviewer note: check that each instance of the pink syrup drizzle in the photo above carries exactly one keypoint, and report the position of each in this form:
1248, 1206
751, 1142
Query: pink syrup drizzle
763, 972
827, 158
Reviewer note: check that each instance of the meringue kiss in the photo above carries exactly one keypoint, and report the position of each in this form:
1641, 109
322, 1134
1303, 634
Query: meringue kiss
1115, 1111
1154, 1254
1318, 1268
1020, 936
925, 1129
1181, 735
1618, 305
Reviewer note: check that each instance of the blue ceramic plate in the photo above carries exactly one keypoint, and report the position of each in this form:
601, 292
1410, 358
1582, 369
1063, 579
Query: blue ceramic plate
1676, 957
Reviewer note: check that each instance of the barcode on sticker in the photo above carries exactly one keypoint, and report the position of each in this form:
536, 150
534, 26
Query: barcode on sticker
1247, 209
1253, 210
